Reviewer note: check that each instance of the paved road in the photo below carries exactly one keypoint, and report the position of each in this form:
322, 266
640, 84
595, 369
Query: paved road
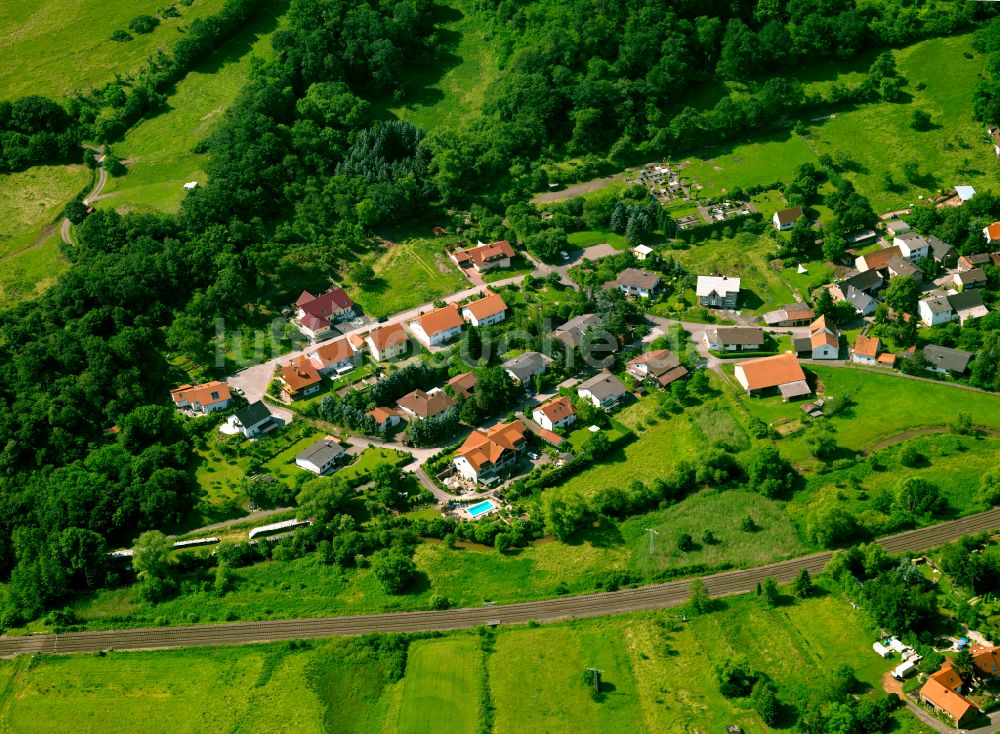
658, 596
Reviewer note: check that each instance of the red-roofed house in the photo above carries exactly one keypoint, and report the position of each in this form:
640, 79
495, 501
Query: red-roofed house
300, 378
437, 327
781, 371
554, 414
488, 310
485, 257
387, 342
824, 339
336, 357
866, 350
992, 233
486, 453
386, 418
315, 314
207, 398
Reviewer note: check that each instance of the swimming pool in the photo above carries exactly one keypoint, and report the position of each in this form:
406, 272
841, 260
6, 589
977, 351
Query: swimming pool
480, 508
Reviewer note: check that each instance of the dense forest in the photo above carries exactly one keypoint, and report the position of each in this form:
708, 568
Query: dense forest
89, 453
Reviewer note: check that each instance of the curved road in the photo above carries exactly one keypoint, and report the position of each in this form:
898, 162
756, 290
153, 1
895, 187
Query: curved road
659, 596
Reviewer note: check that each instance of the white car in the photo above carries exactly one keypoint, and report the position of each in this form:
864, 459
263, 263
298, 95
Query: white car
533, 456
564, 255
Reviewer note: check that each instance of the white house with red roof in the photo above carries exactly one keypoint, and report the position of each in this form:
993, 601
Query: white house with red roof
207, 398
992, 233
484, 258
336, 357
315, 315
488, 310
437, 327
486, 453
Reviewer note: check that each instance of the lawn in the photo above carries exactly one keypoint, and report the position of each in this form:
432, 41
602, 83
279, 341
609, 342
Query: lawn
440, 690
282, 465
160, 149
56, 48
448, 92
746, 257
370, 459
758, 162
29, 238
590, 237
536, 681
408, 274
940, 79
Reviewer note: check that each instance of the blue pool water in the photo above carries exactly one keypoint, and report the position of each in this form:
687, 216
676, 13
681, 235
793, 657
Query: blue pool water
478, 509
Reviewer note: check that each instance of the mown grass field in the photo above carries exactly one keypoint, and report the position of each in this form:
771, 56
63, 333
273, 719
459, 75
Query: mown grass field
370, 459
441, 687
55, 48
451, 93
29, 233
940, 79
160, 149
408, 274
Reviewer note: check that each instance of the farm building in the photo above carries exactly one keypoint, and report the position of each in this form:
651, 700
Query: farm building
781, 372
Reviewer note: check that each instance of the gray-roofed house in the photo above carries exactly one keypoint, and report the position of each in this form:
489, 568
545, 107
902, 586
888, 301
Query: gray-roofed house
734, 338
945, 360
862, 302
942, 251
794, 314
635, 282
936, 309
525, 366
975, 278
571, 333
897, 227
785, 219
604, 390
968, 305
868, 281
901, 267
321, 457
802, 346
913, 246
252, 420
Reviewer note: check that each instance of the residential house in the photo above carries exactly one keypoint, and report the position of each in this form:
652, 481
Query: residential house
794, 314
420, 405
463, 384
734, 338
635, 282
484, 258
866, 350
992, 234
975, 278
604, 390
387, 342
862, 302
968, 305
252, 420
781, 371
557, 413
868, 281
945, 360
900, 267
571, 333
660, 367
969, 262
785, 219
944, 690
321, 457
300, 378
437, 327
935, 309
878, 260
942, 251
525, 366
487, 453
488, 310
885, 359
824, 339
718, 291
315, 314
206, 398
337, 357
386, 418
896, 227
914, 247
641, 252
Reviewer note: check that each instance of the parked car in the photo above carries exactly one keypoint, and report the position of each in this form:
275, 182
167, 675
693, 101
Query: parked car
533, 456
564, 255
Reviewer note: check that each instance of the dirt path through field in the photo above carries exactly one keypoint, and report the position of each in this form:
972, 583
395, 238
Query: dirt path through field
576, 189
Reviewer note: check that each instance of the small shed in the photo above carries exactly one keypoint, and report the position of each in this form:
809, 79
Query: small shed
881, 650
190, 185
904, 670
898, 646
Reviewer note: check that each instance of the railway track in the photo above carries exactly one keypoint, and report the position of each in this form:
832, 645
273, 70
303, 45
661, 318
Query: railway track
657, 596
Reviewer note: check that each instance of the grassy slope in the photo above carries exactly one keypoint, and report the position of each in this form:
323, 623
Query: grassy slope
160, 148
888, 140
31, 200
440, 688
54, 47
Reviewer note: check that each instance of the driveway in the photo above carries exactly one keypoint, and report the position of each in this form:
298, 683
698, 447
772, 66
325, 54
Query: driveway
594, 252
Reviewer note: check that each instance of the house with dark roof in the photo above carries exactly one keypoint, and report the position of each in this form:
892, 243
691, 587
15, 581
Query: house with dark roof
571, 333
734, 338
485, 454
604, 390
946, 360
660, 367
935, 309
420, 405
315, 315
557, 413
785, 219
914, 247
868, 281
321, 457
968, 305
975, 278
635, 282
781, 372
896, 227
862, 302
901, 267
525, 366
794, 314
942, 251
251, 421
